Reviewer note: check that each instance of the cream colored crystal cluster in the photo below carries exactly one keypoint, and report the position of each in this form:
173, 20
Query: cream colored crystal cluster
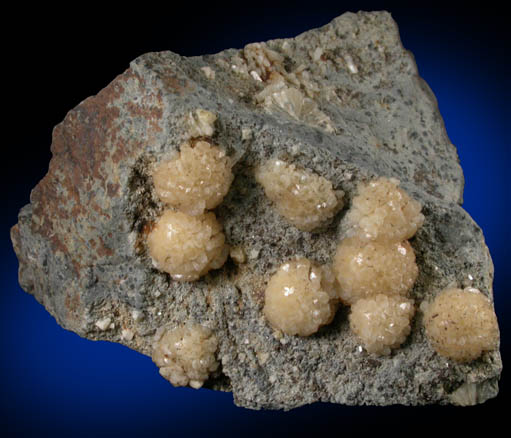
186, 355
365, 269
373, 270
382, 322
305, 199
375, 266
300, 297
187, 242
197, 179
373, 276
383, 211
461, 324
199, 176
187, 247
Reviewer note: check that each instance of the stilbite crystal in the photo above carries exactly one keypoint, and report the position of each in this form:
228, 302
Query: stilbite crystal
305, 199
365, 269
300, 297
187, 247
195, 180
382, 322
461, 324
186, 355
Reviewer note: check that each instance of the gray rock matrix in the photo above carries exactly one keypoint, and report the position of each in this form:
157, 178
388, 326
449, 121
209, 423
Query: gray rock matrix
81, 247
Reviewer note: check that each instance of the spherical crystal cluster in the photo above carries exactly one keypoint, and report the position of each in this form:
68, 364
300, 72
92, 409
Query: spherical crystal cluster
383, 211
188, 243
186, 355
305, 199
461, 324
300, 297
365, 269
187, 247
197, 179
382, 322
375, 267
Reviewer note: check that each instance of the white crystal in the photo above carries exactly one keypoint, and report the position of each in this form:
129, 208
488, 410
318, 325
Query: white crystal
103, 323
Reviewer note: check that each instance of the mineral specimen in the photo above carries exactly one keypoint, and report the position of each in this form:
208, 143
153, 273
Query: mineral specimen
343, 103
201, 123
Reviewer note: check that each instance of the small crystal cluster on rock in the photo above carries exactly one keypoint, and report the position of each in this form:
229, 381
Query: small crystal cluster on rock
187, 247
375, 267
365, 269
461, 324
196, 180
188, 243
186, 355
382, 322
278, 221
306, 200
383, 211
300, 297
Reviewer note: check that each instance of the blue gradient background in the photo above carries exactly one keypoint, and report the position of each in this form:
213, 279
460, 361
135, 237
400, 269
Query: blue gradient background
55, 383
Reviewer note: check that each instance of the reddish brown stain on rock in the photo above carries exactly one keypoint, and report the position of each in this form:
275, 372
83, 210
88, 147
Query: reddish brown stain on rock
174, 83
80, 183
72, 302
112, 190
72, 311
104, 250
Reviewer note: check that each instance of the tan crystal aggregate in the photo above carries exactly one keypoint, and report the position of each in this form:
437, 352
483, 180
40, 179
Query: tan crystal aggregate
382, 322
185, 246
196, 179
383, 211
364, 269
304, 198
461, 324
186, 355
300, 298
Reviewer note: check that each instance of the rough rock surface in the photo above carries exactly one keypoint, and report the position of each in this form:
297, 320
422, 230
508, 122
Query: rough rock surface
80, 241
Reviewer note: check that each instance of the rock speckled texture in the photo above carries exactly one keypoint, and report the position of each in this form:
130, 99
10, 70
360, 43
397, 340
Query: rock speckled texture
80, 241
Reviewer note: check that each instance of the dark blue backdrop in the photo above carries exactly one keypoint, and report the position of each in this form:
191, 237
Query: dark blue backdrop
55, 383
